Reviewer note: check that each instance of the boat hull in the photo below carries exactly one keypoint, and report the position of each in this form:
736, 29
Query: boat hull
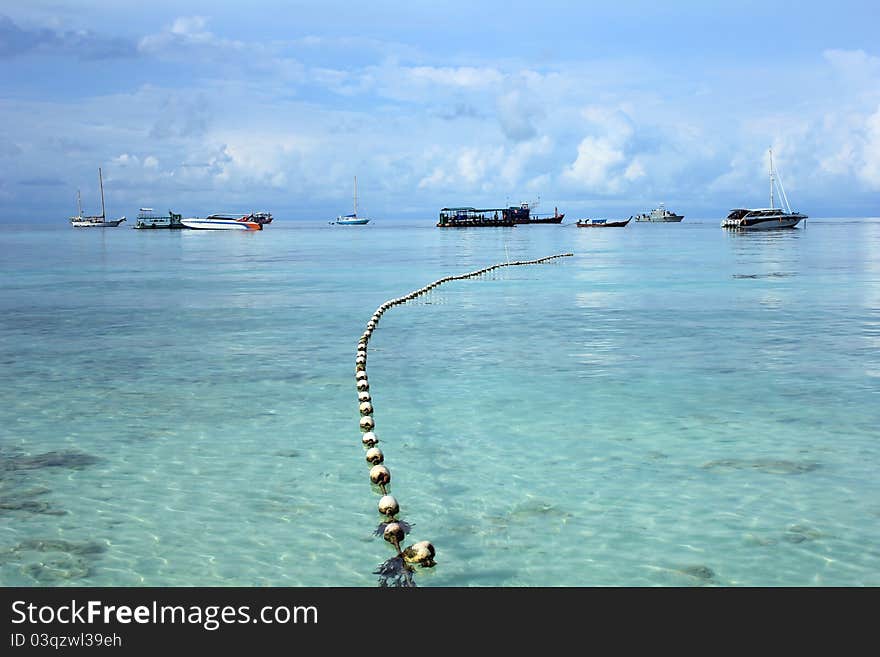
220, 224
661, 220
603, 224
351, 222
763, 223
104, 223
555, 219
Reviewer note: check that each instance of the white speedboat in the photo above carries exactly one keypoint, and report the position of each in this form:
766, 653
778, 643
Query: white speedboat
220, 222
765, 218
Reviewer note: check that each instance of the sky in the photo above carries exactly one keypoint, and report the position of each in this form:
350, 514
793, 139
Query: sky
597, 108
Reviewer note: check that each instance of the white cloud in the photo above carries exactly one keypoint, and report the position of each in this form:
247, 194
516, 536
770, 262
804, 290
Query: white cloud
869, 167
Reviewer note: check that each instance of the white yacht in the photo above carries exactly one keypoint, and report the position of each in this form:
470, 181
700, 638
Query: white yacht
765, 218
352, 219
94, 221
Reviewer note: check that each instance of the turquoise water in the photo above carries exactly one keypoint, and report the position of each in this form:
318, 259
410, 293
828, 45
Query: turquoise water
675, 405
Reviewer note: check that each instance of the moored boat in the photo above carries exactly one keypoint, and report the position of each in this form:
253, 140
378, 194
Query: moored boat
94, 221
475, 218
220, 222
660, 215
352, 219
602, 223
765, 218
555, 218
147, 220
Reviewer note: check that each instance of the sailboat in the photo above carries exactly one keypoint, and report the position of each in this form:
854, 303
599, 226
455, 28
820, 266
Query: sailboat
94, 221
765, 218
352, 219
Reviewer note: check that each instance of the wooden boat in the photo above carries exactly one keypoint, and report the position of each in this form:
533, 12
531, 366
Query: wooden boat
601, 223
555, 218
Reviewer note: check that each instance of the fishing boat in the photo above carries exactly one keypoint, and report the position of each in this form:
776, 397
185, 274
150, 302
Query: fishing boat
765, 218
555, 218
221, 222
660, 215
146, 219
352, 219
94, 221
602, 223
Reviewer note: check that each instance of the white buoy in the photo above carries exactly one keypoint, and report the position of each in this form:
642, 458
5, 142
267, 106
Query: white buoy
364, 396
393, 533
366, 408
363, 384
379, 474
388, 506
369, 439
421, 553
361, 375
374, 455
367, 423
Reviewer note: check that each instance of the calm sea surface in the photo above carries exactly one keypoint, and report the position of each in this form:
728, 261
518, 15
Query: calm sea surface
675, 405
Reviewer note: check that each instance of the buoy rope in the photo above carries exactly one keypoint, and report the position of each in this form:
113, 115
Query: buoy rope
398, 570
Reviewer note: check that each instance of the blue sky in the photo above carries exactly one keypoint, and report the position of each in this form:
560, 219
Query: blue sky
597, 108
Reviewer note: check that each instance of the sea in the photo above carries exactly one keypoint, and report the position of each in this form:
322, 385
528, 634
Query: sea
673, 405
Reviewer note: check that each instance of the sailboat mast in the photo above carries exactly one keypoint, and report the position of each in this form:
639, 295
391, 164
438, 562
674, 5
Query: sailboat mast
355, 196
771, 178
79, 205
101, 182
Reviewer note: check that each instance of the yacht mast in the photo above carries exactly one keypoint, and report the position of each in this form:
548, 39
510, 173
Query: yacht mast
101, 181
771, 178
355, 196
79, 207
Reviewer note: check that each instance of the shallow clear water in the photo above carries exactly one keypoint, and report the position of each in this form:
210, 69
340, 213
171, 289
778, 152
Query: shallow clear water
675, 405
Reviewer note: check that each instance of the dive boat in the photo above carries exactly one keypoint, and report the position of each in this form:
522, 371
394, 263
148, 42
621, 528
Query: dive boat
602, 223
352, 219
765, 218
221, 222
146, 219
94, 221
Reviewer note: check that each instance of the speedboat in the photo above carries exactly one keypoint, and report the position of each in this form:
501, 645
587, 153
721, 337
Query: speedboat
221, 222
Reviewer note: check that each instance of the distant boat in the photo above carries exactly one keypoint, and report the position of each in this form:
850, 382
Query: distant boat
765, 218
476, 218
525, 216
602, 223
261, 217
94, 221
661, 215
147, 220
352, 219
221, 222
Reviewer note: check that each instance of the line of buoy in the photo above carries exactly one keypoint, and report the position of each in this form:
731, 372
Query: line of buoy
392, 529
